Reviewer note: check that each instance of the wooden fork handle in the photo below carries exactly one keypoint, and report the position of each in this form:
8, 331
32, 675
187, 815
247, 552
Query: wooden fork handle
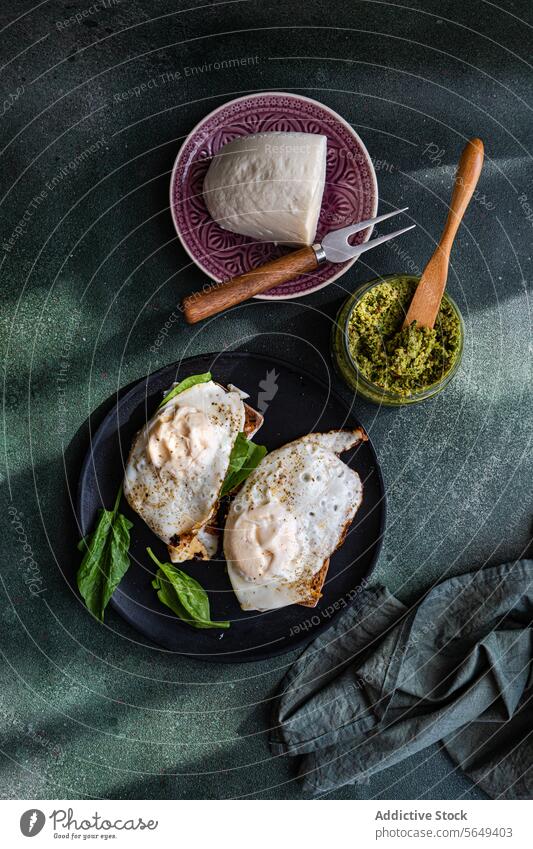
216, 297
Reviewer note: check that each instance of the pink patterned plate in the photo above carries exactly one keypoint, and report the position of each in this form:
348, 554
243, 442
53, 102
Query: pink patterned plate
350, 195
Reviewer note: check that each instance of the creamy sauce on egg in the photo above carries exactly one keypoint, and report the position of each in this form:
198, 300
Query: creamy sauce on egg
262, 543
180, 440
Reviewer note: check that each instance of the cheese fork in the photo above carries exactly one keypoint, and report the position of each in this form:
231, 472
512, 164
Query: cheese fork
335, 247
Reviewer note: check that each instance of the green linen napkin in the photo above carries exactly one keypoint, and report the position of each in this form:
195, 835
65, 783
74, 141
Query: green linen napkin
386, 681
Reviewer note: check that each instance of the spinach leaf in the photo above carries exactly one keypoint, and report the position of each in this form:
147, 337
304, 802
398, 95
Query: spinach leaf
183, 595
185, 384
105, 560
244, 458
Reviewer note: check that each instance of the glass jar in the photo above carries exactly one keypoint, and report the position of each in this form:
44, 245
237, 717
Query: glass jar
347, 367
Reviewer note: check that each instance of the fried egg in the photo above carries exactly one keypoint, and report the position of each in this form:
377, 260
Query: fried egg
178, 463
288, 518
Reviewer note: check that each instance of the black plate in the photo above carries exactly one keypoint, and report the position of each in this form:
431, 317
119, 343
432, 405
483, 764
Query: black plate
301, 404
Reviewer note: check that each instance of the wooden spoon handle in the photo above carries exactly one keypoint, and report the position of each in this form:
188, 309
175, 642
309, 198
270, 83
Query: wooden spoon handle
426, 300
220, 296
468, 171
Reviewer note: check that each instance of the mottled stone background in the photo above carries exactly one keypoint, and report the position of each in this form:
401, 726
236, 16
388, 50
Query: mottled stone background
91, 269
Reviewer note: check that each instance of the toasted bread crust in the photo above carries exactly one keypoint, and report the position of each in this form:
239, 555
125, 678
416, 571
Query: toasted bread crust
315, 590
252, 420
188, 547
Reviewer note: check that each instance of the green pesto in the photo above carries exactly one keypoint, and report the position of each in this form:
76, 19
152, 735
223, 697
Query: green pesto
406, 361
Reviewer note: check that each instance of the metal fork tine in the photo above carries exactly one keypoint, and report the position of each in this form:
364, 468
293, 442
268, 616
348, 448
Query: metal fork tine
362, 225
359, 249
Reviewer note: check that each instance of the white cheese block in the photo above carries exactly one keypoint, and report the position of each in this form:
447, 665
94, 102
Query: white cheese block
269, 186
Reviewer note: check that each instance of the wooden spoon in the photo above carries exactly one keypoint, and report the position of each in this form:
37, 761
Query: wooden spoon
428, 295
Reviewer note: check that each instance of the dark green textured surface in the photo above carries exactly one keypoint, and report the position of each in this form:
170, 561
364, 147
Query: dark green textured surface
89, 710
